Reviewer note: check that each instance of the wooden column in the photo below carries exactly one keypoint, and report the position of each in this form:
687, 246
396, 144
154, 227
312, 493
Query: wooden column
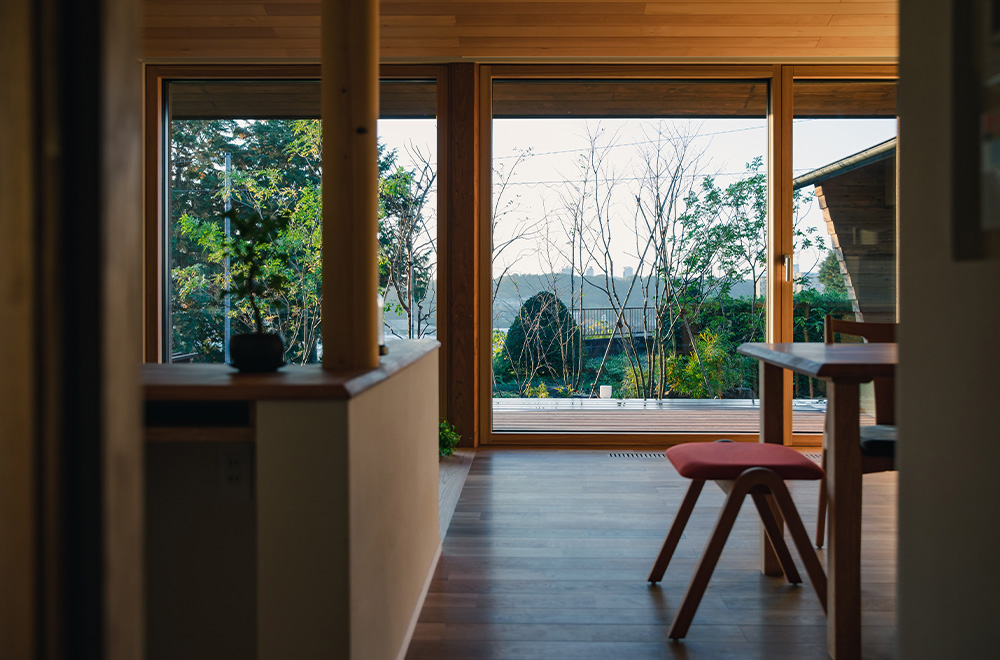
350, 183
779, 222
460, 252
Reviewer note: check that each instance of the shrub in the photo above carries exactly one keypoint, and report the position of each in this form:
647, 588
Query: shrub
539, 391
544, 338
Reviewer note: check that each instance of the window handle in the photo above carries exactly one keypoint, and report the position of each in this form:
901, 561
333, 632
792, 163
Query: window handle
786, 260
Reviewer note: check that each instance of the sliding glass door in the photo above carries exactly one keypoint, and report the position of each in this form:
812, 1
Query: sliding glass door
846, 221
628, 253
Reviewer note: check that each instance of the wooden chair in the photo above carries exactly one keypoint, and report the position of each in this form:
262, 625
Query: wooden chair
740, 469
878, 442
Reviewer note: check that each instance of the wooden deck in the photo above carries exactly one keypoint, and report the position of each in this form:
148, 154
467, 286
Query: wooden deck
548, 551
674, 416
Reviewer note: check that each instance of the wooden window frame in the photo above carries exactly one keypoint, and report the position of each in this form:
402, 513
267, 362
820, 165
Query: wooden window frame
156, 78
779, 228
464, 183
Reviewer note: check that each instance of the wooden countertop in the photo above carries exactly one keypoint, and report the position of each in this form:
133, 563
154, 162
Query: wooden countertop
220, 382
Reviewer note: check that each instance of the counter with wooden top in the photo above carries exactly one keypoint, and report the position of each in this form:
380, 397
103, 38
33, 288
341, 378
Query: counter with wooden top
302, 505
220, 382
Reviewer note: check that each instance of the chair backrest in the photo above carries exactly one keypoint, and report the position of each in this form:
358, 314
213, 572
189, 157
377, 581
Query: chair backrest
885, 407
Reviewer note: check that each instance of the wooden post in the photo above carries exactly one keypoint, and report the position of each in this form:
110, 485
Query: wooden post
350, 184
779, 219
461, 253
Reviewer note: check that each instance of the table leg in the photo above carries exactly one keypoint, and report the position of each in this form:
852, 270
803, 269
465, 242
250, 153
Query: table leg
772, 429
843, 484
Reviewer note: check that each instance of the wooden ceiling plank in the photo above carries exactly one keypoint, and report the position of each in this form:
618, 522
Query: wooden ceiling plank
202, 9
678, 20
502, 8
770, 8
850, 20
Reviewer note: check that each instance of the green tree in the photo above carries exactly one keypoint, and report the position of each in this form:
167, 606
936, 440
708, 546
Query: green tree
290, 277
276, 171
198, 181
831, 277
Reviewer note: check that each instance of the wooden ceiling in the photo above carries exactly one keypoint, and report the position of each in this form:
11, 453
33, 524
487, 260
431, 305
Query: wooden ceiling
529, 30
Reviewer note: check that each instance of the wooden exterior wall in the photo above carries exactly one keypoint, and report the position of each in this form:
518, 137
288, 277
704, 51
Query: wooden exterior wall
860, 212
528, 30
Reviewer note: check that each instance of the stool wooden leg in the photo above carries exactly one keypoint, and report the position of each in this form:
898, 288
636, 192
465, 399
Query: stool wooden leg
676, 529
801, 538
777, 537
708, 561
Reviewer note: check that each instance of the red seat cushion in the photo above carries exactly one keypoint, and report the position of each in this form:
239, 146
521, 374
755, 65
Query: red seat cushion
726, 460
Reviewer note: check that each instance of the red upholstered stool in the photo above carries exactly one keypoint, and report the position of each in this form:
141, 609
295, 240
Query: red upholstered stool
740, 468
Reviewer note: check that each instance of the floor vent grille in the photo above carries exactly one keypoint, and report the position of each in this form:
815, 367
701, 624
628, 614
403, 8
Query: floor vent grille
816, 456
634, 454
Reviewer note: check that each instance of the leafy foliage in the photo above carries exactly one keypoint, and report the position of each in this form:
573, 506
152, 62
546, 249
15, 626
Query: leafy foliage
831, 277
448, 439
275, 185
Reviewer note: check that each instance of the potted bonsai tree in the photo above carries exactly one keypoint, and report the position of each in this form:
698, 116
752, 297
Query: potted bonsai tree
249, 250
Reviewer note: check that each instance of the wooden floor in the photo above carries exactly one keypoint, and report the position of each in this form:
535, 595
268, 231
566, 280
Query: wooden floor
548, 552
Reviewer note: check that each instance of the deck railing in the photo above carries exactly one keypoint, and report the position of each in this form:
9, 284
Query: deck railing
600, 322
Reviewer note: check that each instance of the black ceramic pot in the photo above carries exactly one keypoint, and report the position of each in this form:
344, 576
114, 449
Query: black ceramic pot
256, 353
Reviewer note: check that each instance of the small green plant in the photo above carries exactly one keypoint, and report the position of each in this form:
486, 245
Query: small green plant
249, 250
448, 439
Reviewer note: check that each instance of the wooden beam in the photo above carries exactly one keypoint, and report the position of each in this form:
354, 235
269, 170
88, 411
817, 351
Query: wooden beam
484, 246
154, 250
350, 184
459, 261
779, 218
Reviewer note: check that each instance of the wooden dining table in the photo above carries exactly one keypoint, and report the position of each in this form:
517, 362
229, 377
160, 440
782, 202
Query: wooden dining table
844, 367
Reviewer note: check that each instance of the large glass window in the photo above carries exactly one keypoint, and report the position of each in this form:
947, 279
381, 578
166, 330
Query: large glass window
628, 238
844, 143
253, 148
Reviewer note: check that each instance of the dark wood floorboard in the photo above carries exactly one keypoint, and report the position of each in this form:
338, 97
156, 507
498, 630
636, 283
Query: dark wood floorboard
547, 554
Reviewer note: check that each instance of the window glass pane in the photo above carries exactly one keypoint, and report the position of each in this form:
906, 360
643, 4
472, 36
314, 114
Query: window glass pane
250, 148
628, 252
846, 220
254, 147
408, 208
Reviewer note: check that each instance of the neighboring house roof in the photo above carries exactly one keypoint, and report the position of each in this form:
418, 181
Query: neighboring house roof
870, 155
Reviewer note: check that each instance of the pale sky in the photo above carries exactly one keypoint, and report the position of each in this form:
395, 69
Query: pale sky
556, 144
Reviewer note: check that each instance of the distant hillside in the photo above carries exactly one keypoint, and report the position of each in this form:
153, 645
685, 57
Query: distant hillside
515, 289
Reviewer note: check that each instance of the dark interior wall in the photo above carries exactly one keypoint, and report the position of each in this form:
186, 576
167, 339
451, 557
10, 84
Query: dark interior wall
201, 554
